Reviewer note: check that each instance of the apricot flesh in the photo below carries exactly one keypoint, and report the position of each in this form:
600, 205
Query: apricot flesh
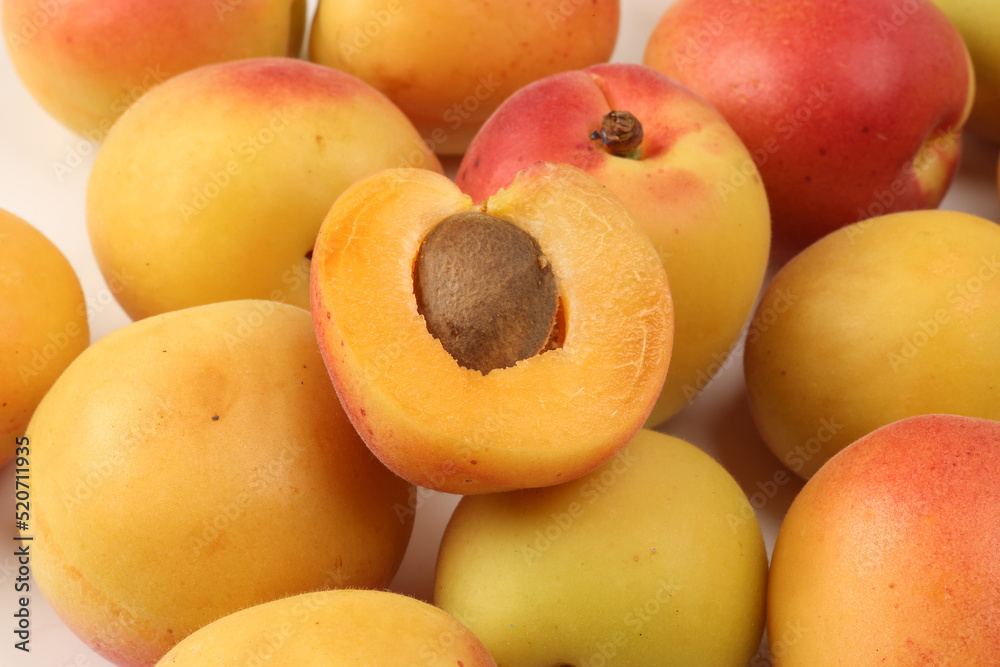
549, 418
486, 291
195, 463
43, 323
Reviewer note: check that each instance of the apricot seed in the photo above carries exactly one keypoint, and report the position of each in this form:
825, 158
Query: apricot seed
486, 291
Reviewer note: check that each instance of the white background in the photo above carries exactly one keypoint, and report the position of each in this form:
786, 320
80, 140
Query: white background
718, 421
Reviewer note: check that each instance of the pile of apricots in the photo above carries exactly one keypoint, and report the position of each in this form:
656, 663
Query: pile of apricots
381, 254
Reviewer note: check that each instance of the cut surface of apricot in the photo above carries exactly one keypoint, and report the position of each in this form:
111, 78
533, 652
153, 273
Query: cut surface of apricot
547, 418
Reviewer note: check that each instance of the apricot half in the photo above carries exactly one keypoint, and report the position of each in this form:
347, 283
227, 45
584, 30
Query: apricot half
534, 419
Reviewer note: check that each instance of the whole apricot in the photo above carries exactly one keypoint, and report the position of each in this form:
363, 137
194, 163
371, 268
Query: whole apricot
342, 628
44, 323
193, 464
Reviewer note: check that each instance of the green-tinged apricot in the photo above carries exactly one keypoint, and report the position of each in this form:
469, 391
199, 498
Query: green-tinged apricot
655, 558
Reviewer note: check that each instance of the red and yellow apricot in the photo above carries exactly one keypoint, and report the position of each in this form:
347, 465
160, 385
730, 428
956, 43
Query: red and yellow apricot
688, 180
890, 551
87, 61
444, 421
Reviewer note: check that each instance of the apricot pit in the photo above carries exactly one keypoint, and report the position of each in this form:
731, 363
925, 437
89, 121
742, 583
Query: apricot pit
486, 290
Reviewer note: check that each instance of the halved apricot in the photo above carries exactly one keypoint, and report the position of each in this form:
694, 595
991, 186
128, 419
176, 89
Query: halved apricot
446, 422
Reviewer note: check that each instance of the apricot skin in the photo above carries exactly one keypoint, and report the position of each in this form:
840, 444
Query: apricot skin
890, 551
87, 61
343, 628
694, 189
449, 63
887, 318
195, 463
43, 323
214, 185
549, 418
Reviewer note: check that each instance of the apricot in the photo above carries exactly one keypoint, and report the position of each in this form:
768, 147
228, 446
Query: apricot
193, 464
448, 65
214, 185
547, 418
87, 61
44, 323
888, 318
339, 628
655, 558
889, 554
682, 172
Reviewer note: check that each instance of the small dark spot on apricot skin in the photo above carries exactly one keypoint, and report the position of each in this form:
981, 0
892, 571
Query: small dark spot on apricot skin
473, 462
363, 413
782, 373
371, 432
215, 418
309, 254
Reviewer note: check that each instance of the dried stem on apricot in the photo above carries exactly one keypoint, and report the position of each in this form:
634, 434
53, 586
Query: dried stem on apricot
486, 291
620, 134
